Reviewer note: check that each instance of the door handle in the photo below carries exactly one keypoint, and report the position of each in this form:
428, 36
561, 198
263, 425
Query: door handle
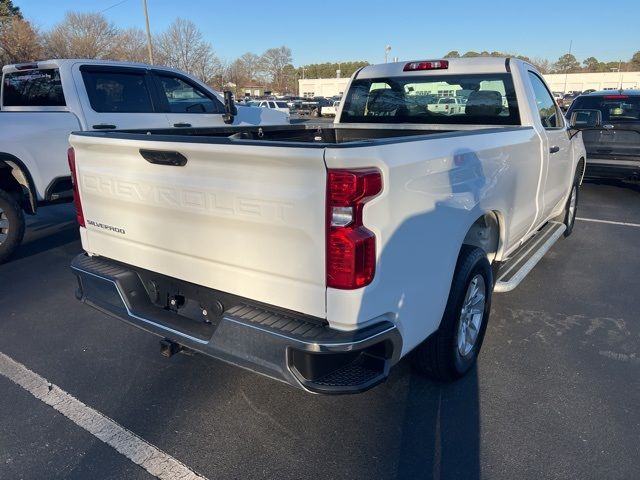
181, 124
104, 126
554, 149
164, 157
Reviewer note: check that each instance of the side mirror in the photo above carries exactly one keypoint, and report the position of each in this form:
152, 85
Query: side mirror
585, 119
230, 108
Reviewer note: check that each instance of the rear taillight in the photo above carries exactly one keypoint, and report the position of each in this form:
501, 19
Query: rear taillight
71, 156
351, 247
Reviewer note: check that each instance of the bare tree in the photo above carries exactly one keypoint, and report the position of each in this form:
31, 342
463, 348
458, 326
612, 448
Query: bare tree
251, 66
19, 41
183, 46
542, 64
82, 35
131, 46
274, 61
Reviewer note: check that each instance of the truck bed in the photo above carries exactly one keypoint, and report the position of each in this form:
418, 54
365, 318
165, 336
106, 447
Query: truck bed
306, 135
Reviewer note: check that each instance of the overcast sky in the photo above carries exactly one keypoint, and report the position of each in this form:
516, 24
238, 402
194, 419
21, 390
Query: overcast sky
331, 30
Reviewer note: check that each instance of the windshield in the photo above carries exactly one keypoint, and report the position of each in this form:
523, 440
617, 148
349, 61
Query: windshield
614, 108
488, 99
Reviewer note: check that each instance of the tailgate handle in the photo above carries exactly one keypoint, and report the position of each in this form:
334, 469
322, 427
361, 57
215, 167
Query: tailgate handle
164, 157
104, 126
182, 124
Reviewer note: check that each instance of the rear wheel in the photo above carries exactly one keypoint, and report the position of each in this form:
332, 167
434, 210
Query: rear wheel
11, 225
453, 349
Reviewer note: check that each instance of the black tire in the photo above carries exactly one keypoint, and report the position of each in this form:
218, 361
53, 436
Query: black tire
439, 356
11, 225
569, 214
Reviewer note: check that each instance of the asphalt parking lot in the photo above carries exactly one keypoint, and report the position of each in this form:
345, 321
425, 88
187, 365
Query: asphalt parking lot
555, 395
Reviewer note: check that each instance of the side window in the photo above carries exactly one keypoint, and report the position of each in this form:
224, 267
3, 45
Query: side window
272, 104
547, 107
186, 98
33, 88
117, 91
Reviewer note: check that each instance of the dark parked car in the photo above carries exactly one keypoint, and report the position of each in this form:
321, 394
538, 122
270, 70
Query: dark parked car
610, 121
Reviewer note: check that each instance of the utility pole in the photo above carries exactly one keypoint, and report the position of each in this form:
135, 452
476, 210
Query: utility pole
620, 71
567, 73
146, 18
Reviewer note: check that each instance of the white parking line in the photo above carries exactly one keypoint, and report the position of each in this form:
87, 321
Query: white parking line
624, 224
139, 451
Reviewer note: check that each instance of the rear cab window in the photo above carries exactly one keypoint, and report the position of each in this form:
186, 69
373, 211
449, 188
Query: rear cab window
615, 108
117, 91
485, 99
33, 88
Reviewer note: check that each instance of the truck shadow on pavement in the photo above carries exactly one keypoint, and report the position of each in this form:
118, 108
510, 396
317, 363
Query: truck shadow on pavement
53, 227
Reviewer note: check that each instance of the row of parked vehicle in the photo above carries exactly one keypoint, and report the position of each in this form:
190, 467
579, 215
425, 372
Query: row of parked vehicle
313, 106
564, 100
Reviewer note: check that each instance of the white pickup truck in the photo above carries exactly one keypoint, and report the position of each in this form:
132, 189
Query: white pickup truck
447, 106
42, 103
320, 255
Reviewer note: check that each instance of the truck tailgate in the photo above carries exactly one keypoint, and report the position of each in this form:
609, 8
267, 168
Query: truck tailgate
246, 220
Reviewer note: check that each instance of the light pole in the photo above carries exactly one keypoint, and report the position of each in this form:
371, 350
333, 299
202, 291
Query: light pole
387, 49
146, 18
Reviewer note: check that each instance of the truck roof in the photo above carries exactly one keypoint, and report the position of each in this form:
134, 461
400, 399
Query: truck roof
64, 63
455, 66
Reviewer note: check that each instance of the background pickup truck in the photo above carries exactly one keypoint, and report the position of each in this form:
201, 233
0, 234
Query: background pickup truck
320, 256
42, 103
447, 106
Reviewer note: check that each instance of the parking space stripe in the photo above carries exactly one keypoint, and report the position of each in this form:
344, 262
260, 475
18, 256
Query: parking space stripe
153, 460
611, 222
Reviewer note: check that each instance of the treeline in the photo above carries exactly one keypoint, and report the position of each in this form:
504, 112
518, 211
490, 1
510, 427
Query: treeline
91, 35
567, 63
182, 45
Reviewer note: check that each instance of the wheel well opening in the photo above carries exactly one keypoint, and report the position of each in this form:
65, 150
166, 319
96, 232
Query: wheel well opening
485, 234
581, 169
10, 184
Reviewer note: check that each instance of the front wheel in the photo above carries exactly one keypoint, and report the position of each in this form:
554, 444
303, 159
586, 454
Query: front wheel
11, 225
453, 349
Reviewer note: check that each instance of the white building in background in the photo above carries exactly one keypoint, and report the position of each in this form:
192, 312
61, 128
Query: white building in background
576, 82
322, 87
579, 82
